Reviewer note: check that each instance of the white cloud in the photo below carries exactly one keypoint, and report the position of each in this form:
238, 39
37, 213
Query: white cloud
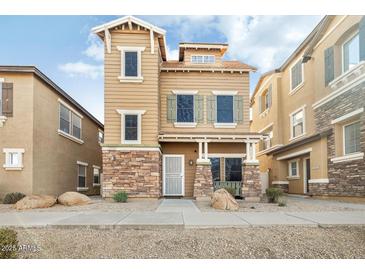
82, 69
95, 49
172, 54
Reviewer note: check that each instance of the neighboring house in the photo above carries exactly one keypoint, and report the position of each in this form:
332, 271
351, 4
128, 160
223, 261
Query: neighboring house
312, 107
174, 128
49, 143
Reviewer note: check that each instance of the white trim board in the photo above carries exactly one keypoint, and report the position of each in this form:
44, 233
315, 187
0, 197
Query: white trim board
225, 92
266, 127
184, 92
349, 157
294, 154
139, 148
319, 181
347, 116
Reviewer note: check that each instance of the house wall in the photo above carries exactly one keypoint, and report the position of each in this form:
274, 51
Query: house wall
17, 132
205, 83
55, 157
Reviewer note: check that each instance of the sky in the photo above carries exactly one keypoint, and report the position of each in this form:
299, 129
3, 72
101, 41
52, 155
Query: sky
64, 48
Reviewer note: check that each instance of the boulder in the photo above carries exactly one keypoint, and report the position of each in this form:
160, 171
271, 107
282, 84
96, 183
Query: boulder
222, 199
73, 198
35, 201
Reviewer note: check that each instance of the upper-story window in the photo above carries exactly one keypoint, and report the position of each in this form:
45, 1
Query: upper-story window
131, 130
100, 136
131, 64
185, 108
6, 99
296, 75
70, 122
224, 109
297, 122
351, 53
352, 135
265, 100
203, 59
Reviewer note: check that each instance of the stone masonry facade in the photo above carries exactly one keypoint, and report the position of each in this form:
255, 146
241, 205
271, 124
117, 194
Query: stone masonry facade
345, 178
251, 182
203, 182
136, 172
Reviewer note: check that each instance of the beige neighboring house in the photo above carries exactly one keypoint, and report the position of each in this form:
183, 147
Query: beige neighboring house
312, 108
49, 143
174, 128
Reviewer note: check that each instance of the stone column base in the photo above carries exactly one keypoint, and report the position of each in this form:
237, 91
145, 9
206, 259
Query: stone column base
136, 172
203, 182
251, 182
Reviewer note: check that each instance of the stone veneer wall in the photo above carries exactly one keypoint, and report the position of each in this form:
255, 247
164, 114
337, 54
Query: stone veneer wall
345, 178
283, 187
136, 172
251, 182
203, 182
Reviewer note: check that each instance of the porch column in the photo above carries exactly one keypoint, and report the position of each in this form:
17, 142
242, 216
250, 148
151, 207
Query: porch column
200, 151
251, 181
203, 181
251, 153
206, 151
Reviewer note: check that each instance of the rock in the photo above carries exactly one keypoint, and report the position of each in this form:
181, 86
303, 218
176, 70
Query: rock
73, 198
35, 201
222, 199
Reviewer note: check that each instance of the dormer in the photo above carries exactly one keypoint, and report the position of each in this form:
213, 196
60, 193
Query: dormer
199, 54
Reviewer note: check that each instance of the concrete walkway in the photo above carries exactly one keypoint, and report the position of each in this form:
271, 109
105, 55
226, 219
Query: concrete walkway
178, 213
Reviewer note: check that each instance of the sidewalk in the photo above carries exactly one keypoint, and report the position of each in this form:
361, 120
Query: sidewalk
178, 213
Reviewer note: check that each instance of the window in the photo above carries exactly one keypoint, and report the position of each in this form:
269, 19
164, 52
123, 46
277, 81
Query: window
100, 137
96, 172
82, 171
265, 100
297, 123
13, 158
351, 53
224, 109
131, 64
216, 169
233, 169
294, 169
266, 143
203, 59
296, 75
352, 138
131, 126
185, 108
70, 123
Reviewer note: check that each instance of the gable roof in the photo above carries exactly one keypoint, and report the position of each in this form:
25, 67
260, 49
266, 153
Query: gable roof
99, 30
52, 85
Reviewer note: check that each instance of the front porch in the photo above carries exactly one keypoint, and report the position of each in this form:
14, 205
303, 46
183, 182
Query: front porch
209, 162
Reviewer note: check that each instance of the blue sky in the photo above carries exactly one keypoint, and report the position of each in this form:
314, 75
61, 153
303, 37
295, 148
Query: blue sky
63, 48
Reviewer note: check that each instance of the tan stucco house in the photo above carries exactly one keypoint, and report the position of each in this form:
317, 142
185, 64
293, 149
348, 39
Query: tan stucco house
312, 108
174, 128
49, 143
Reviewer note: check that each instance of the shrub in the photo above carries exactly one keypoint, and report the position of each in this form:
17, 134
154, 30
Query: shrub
273, 194
120, 197
281, 202
231, 190
13, 197
8, 244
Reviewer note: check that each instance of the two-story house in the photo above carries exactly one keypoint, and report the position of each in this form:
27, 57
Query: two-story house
312, 107
49, 143
174, 128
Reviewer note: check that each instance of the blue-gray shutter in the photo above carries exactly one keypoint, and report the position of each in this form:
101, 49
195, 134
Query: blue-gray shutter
329, 71
211, 109
269, 96
199, 108
171, 108
362, 38
238, 108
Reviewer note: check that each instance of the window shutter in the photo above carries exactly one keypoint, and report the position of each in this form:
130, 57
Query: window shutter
329, 72
362, 38
269, 97
260, 103
7, 99
211, 109
238, 108
171, 108
199, 108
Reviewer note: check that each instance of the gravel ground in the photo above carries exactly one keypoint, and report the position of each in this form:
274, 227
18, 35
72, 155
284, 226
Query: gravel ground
292, 205
98, 205
259, 242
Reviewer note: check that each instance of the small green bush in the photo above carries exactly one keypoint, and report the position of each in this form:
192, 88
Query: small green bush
281, 201
231, 190
273, 194
8, 244
120, 197
13, 197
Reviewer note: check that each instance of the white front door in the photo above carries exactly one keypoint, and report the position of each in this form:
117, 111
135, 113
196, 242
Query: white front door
173, 175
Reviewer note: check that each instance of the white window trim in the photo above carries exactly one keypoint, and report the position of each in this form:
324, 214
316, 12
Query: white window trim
139, 77
139, 114
98, 168
225, 92
80, 163
185, 124
302, 108
319, 181
291, 176
185, 92
225, 125
202, 55
347, 116
295, 154
72, 110
20, 152
343, 138
69, 136
348, 157
294, 90
102, 132
342, 51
